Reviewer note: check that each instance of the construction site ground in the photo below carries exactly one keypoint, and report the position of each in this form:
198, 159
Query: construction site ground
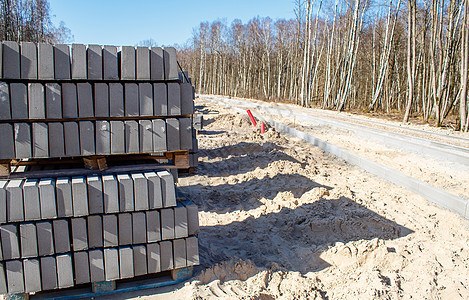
282, 219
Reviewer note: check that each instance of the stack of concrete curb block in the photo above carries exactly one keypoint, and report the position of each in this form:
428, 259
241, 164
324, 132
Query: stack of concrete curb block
61, 228
61, 101
59, 232
196, 124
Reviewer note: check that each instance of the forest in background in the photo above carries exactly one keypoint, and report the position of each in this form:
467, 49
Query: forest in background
30, 21
397, 57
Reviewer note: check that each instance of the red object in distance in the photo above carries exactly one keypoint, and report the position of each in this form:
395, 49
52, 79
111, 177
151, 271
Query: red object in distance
252, 118
262, 128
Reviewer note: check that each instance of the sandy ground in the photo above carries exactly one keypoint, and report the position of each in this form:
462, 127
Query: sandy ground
281, 219
452, 177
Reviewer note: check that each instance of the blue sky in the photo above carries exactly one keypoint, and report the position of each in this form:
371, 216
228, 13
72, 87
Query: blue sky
119, 22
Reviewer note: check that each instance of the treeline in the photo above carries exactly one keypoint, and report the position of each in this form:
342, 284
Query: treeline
407, 57
29, 21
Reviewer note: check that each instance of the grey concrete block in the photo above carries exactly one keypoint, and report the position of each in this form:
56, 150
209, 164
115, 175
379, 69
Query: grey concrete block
185, 133
5, 109
56, 139
173, 135
87, 138
3, 203
155, 194
156, 63
79, 197
167, 223
166, 254
49, 273
28, 60
179, 251
45, 239
72, 139
40, 140
64, 197
111, 194
111, 264
116, 100
10, 242
79, 234
111, 238
126, 262
174, 99
131, 100
145, 94
15, 202
153, 226
110, 69
95, 231
32, 275
11, 60
180, 221
37, 101
97, 265
140, 260
192, 217
94, 56
28, 240
23, 147
103, 137
127, 63
64, 271
53, 101
85, 100
160, 99
192, 247
45, 61
126, 192
139, 228
117, 137
15, 276
146, 136
159, 136
47, 198
168, 188
187, 100
170, 63
3, 278
82, 267
78, 61
153, 258
101, 100
19, 101
95, 195
62, 64
141, 191
7, 151
125, 228
143, 63
61, 236
131, 137
70, 100
32, 207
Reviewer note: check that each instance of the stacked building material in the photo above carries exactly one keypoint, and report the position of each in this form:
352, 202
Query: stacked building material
58, 232
196, 121
91, 101
60, 101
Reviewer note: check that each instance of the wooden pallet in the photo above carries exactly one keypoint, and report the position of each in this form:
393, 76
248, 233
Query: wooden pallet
16, 168
106, 288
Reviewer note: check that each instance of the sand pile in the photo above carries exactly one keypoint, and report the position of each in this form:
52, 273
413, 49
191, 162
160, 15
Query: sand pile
280, 219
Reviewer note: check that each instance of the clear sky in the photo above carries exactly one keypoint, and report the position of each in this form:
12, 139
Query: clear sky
126, 22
